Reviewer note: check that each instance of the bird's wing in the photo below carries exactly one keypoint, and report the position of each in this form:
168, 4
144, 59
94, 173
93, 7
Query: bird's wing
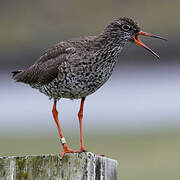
45, 68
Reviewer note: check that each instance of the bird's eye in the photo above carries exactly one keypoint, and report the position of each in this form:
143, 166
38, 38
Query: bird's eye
126, 27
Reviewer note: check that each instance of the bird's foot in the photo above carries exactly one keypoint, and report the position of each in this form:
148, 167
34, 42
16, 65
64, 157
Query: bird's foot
82, 149
66, 150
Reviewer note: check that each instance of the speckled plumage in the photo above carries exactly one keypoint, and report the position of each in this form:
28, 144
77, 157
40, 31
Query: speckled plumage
76, 68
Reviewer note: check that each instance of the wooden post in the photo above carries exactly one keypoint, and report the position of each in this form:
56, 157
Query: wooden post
77, 166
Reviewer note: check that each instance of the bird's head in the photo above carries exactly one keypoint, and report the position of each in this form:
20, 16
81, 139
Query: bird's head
126, 30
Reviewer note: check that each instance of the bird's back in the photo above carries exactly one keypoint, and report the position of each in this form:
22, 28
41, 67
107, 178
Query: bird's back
46, 68
65, 70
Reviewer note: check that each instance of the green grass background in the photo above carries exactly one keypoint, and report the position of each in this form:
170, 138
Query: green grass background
141, 156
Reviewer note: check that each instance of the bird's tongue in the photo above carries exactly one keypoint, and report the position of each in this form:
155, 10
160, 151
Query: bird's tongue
137, 41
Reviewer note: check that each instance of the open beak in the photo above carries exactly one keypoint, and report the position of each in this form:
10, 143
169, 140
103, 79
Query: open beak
137, 41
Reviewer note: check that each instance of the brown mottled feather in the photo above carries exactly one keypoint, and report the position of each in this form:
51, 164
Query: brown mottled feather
76, 68
45, 68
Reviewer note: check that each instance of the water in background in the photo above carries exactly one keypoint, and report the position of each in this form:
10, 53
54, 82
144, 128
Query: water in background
133, 99
141, 96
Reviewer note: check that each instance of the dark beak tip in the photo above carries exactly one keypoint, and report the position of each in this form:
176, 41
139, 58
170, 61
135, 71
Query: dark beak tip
158, 57
159, 37
151, 35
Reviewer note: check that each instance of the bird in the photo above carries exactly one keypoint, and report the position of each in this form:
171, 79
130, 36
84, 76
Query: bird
78, 67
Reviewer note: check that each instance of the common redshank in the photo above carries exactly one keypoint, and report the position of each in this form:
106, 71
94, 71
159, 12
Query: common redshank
76, 68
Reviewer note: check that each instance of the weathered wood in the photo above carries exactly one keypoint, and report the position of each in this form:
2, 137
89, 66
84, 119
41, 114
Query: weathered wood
78, 166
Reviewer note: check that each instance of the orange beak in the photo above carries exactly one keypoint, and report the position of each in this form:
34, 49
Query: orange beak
137, 41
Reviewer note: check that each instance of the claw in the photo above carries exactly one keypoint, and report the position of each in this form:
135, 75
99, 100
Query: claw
81, 150
66, 150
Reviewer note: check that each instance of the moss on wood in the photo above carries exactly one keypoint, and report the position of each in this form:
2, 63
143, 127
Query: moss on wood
78, 166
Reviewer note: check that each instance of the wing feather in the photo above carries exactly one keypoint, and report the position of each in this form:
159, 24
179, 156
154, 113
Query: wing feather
45, 68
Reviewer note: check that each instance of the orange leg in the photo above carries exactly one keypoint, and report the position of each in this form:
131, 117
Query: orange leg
65, 147
80, 115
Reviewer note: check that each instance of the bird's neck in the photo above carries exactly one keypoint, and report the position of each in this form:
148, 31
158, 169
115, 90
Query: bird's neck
105, 51
109, 44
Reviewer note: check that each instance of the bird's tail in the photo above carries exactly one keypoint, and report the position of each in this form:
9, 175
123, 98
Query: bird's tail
15, 74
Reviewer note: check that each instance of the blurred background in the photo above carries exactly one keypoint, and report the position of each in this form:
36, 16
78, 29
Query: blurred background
133, 118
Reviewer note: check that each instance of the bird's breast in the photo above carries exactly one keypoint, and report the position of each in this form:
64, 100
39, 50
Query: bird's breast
80, 77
